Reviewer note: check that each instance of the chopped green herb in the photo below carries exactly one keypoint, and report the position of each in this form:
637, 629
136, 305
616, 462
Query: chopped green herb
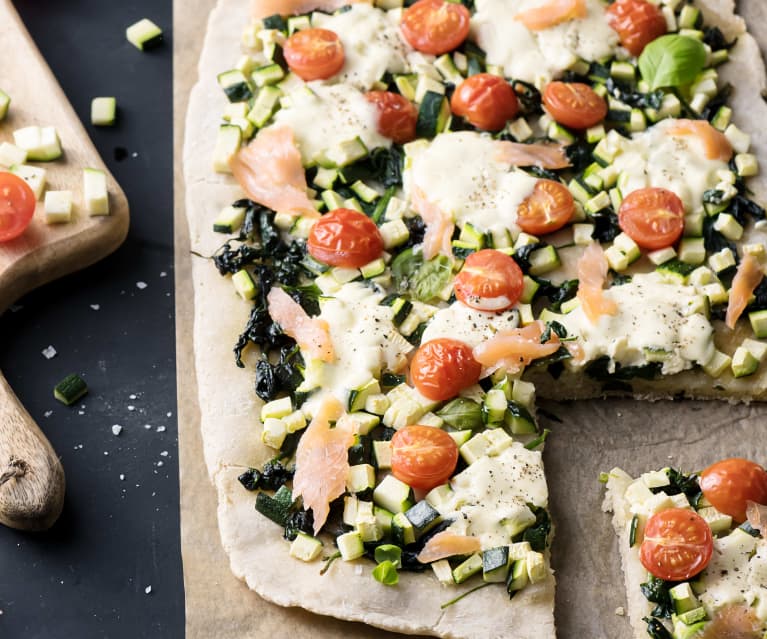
386, 573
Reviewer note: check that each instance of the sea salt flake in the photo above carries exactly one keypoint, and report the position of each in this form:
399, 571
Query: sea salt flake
95, 307
117, 429
148, 589
49, 352
141, 285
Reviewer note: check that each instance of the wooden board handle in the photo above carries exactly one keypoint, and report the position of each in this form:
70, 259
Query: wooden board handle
31, 476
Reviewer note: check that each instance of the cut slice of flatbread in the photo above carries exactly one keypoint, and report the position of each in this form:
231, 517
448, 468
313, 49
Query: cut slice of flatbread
732, 578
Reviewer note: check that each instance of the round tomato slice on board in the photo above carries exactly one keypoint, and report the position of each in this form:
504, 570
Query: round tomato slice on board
637, 23
547, 209
731, 483
652, 217
677, 544
17, 206
345, 237
397, 116
435, 26
314, 54
574, 104
441, 368
486, 101
489, 281
423, 456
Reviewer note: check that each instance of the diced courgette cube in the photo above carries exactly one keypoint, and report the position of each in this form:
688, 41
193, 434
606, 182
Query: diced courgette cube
244, 284
228, 143
34, 176
402, 530
433, 114
305, 547
423, 517
103, 111
229, 219
495, 564
468, 568
95, 194
144, 34
393, 494
235, 85
350, 546
70, 389
41, 143
58, 207
10, 154
743, 362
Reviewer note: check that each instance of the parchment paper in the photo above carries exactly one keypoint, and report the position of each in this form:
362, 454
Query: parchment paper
593, 436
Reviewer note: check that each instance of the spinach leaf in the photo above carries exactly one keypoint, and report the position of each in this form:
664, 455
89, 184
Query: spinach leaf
713, 37
522, 255
381, 165
740, 206
414, 276
299, 521
462, 413
266, 382
656, 629
538, 533
718, 101
679, 483
579, 154
713, 240
273, 476
606, 227
671, 61
528, 96
599, 370
557, 295
656, 591
553, 327
760, 297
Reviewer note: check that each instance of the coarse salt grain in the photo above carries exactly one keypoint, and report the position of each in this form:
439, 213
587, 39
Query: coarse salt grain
141, 285
49, 352
117, 429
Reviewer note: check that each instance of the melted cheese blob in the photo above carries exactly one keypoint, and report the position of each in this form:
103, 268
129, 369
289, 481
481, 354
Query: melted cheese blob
372, 43
461, 174
655, 322
490, 498
322, 117
364, 338
674, 162
539, 56
468, 325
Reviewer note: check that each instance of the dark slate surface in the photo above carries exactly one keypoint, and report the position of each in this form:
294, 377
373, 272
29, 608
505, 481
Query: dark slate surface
113, 324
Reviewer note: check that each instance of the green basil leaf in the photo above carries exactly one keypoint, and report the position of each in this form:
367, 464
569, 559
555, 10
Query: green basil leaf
462, 412
671, 61
431, 278
386, 573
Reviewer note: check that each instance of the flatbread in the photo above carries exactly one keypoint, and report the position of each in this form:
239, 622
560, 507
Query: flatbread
230, 429
229, 407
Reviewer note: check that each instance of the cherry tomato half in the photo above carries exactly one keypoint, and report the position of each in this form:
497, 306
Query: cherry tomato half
435, 26
574, 104
637, 23
345, 237
423, 456
652, 217
441, 368
547, 209
489, 281
730, 483
397, 116
677, 544
486, 101
17, 206
314, 54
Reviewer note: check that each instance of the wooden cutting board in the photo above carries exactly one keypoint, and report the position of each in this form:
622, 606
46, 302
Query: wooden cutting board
31, 476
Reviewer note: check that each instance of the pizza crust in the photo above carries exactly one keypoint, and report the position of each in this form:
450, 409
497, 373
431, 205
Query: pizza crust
229, 407
231, 432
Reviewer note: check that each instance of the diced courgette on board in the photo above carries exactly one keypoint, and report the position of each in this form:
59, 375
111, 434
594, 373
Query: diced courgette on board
41, 143
144, 34
70, 389
95, 193
58, 207
103, 111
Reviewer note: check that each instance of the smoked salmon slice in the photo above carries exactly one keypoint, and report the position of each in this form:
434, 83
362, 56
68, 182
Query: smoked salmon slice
716, 145
746, 279
439, 226
322, 460
552, 13
447, 544
311, 333
592, 274
269, 170
265, 8
734, 621
545, 156
515, 348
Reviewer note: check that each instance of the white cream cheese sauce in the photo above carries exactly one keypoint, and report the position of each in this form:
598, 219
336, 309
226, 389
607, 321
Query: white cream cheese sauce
653, 315
461, 174
364, 340
372, 43
327, 115
540, 56
468, 325
674, 162
490, 497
